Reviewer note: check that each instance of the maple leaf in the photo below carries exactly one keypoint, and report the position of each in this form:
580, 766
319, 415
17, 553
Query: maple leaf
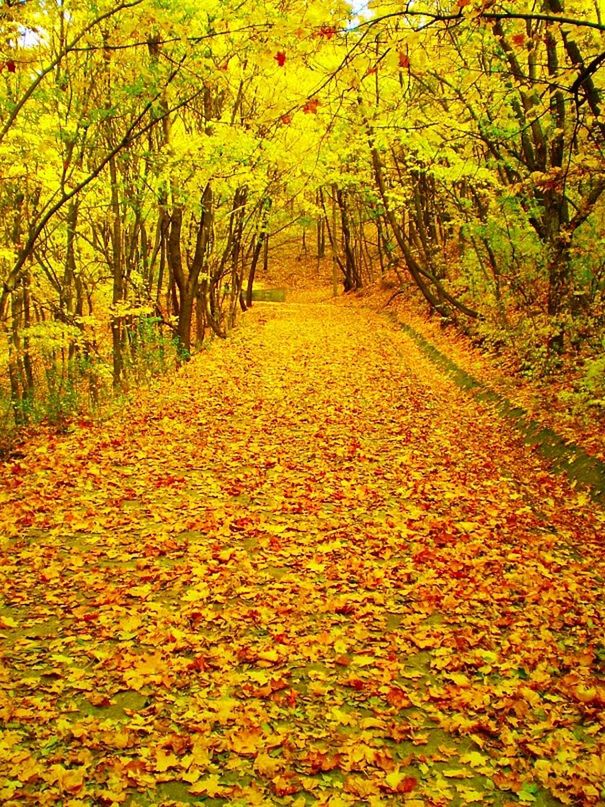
286, 784
311, 106
69, 780
359, 786
321, 762
210, 786
397, 697
164, 761
327, 31
280, 58
247, 741
266, 765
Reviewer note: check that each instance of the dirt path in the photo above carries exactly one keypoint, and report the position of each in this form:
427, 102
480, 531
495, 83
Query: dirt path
307, 570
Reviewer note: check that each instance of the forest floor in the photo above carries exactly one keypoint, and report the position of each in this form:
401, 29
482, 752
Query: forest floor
555, 400
306, 570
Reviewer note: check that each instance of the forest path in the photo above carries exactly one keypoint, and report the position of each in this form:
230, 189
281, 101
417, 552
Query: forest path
307, 569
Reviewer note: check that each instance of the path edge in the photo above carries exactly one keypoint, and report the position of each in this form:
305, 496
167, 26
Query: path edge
564, 457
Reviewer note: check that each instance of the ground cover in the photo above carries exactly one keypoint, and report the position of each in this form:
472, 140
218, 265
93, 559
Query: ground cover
557, 400
307, 569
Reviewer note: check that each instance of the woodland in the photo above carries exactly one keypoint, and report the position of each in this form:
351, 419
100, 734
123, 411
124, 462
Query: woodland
152, 154
256, 545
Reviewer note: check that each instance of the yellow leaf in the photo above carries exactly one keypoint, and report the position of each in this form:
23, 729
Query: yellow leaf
200, 592
165, 761
60, 658
459, 678
247, 741
469, 796
200, 755
363, 661
362, 753
209, 786
316, 566
269, 655
394, 779
141, 591
224, 708
596, 765
340, 646
474, 759
266, 765
147, 669
341, 717
72, 781
131, 623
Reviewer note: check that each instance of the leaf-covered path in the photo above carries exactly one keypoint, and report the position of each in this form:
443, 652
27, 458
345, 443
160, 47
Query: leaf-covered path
307, 570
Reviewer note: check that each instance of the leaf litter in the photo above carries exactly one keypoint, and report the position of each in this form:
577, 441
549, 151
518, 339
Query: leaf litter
307, 570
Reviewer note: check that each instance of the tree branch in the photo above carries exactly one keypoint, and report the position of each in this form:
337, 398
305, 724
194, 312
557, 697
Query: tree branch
485, 15
67, 49
129, 137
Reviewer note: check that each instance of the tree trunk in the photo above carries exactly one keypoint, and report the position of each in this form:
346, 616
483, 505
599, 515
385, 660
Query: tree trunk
258, 246
118, 278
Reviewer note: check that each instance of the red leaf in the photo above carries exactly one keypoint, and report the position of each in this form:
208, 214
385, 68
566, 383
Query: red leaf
311, 106
11, 66
407, 785
404, 60
423, 556
166, 481
397, 697
198, 664
285, 785
280, 58
519, 40
286, 119
327, 31
320, 762
354, 683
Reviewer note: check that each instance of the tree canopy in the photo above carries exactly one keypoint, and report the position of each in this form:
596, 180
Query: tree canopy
151, 151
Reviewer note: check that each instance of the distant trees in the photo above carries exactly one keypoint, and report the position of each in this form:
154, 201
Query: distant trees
140, 151
148, 150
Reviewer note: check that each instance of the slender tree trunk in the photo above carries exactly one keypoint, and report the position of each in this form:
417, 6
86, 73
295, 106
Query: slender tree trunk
351, 278
258, 246
321, 234
118, 278
189, 286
